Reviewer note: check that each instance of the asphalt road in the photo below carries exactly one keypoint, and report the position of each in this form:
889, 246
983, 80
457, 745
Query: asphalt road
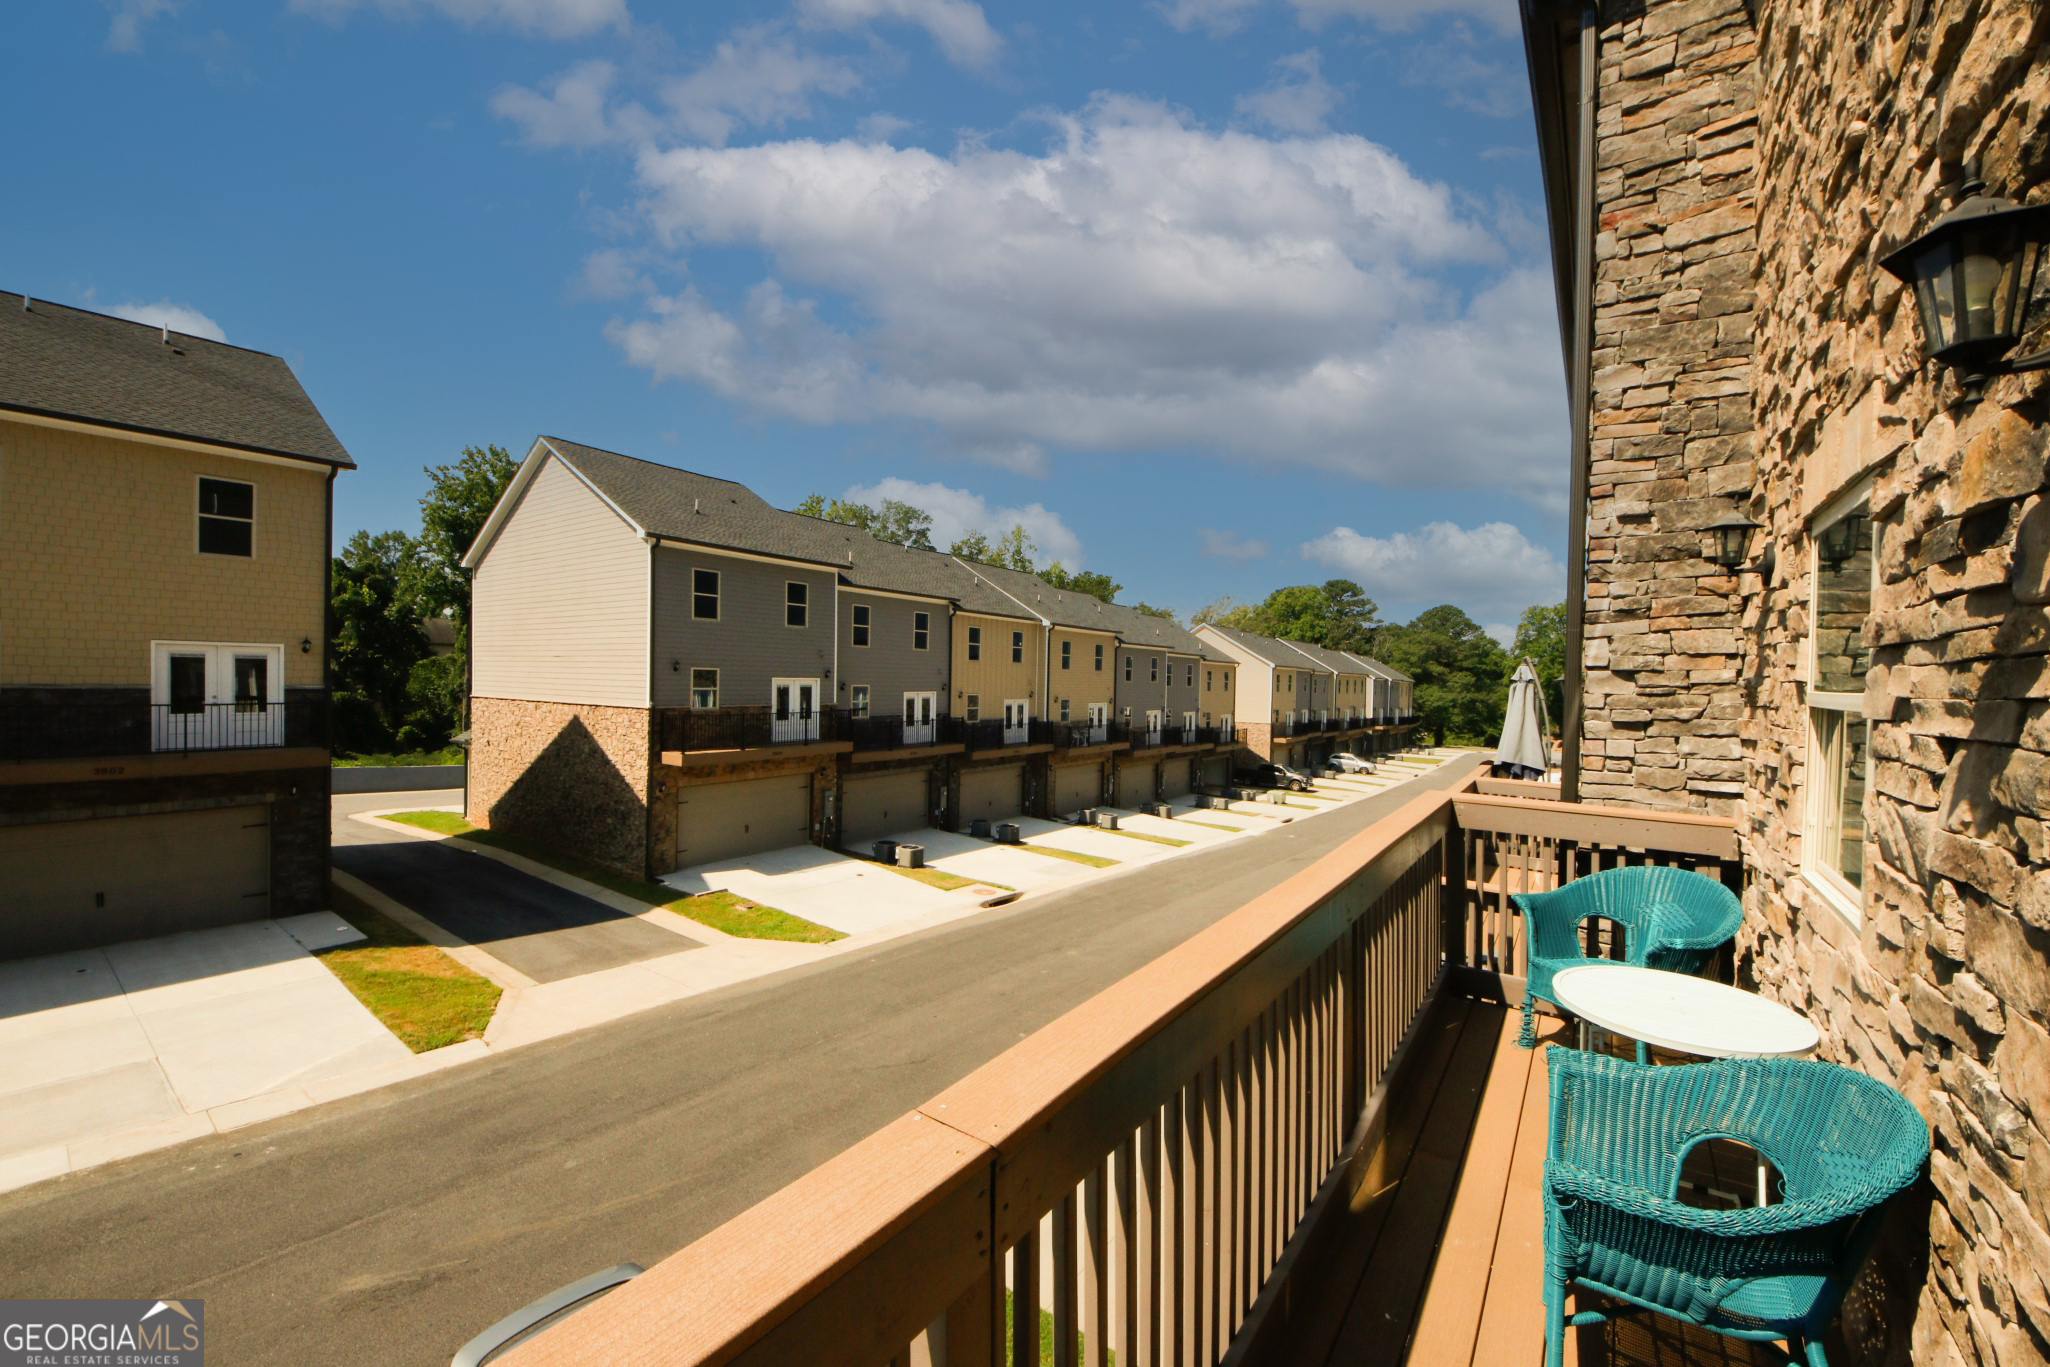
389, 1228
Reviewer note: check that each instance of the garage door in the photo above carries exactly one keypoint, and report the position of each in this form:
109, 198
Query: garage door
719, 821
882, 804
1135, 784
70, 884
1077, 786
993, 794
1213, 773
1174, 778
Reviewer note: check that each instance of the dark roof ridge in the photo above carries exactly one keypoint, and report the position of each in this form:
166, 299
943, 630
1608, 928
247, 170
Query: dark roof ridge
643, 460
131, 322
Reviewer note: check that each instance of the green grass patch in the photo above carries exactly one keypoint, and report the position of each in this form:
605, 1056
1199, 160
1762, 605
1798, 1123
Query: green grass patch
941, 879
1094, 861
419, 993
722, 911
1211, 825
412, 759
1141, 835
1045, 1337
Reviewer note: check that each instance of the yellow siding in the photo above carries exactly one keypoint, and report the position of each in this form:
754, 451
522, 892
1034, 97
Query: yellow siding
1080, 684
994, 678
1217, 699
99, 557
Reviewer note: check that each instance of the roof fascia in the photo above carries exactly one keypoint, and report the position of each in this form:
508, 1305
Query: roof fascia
36, 417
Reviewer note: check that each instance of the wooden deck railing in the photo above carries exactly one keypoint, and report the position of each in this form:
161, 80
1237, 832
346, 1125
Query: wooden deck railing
1146, 1169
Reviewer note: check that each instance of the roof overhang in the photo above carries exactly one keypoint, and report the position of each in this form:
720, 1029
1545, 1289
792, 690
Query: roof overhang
1552, 34
37, 417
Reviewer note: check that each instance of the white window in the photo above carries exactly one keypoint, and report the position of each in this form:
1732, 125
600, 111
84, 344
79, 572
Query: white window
1099, 657
918, 710
1017, 647
975, 643
704, 688
860, 617
1064, 709
921, 630
1843, 563
227, 517
216, 697
1128, 669
1016, 720
1067, 654
704, 595
974, 704
1153, 669
796, 603
859, 702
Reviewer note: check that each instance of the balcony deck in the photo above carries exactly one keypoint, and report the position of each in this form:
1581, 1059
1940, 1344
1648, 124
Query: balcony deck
1456, 1174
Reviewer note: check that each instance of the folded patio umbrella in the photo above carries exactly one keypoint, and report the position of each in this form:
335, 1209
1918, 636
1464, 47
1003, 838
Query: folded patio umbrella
1524, 752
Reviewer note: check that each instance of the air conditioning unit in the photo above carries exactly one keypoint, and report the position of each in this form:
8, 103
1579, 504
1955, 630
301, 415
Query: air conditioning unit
1161, 809
886, 851
910, 856
1007, 833
979, 828
1107, 820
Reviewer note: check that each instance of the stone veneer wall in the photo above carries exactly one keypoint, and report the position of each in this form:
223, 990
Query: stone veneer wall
573, 775
1671, 424
1942, 987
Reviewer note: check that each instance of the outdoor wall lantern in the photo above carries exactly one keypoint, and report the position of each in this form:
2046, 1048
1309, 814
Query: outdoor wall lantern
305, 645
1837, 544
1973, 274
1729, 537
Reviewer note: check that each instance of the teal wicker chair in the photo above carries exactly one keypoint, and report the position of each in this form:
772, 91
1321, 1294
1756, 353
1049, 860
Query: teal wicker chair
1843, 1144
1670, 918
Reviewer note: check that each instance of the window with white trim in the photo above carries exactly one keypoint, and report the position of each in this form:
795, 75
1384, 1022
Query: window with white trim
704, 688
1067, 658
1099, 657
975, 707
796, 603
704, 595
227, 517
1017, 647
921, 630
1843, 564
975, 643
858, 702
859, 616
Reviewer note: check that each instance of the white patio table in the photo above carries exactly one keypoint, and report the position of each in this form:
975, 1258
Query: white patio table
1684, 1014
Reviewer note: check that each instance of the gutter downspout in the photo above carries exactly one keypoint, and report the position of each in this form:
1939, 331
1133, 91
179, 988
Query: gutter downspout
1581, 392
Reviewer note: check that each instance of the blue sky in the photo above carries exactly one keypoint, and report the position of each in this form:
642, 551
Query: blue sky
1214, 295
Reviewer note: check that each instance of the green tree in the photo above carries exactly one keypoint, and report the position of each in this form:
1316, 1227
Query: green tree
458, 501
1092, 582
1151, 611
974, 546
1354, 619
1300, 612
1462, 675
1225, 613
1541, 639
374, 623
1015, 550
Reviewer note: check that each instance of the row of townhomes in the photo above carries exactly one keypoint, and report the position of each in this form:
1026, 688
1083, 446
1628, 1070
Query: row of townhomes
1304, 703
668, 671
164, 511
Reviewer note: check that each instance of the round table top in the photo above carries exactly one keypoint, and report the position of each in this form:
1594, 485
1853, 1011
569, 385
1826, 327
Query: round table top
1685, 1014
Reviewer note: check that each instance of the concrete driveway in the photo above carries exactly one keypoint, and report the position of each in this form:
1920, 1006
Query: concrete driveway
852, 896
544, 931
106, 1052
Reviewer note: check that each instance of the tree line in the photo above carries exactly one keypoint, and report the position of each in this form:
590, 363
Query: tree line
392, 693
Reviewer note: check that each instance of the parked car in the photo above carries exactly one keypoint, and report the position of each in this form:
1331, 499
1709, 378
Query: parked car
1348, 763
1273, 776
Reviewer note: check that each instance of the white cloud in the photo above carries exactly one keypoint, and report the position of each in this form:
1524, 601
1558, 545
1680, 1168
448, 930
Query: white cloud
958, 26
1503, 632
543, 18
758, 77
124, 32
1219, 17
880, 127
956, 512
1143, 284
177, 317
1492, 570
1452, 63
1298, 99
1225, 545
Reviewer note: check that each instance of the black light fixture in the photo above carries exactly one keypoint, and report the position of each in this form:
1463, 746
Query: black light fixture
1729, 538
1974, 273
1837, 543
305, 645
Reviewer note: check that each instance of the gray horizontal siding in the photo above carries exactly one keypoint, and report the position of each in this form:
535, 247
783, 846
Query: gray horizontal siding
889, 665
1143, 693
1183, 694
749, 644
560, 603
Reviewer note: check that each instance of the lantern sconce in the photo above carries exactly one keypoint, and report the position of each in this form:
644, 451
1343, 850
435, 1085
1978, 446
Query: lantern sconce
1729, 537
1837, 544
1974, 273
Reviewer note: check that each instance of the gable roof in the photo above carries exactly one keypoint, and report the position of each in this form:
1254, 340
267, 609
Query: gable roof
1385, 671
60, 362
1062, 607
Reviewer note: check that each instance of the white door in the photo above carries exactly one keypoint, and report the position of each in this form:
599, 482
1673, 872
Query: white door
216, 697
1099, 722
794, 709
1188, 726
1153, 726
1016, 724
918, 718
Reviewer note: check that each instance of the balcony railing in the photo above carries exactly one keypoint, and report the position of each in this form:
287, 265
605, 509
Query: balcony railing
894, 733
745, 728
1144, 739
1152, 1168
995, 735
1076, 735
55, 727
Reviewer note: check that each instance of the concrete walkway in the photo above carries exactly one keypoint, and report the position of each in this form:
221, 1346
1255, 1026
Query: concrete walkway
108, 1052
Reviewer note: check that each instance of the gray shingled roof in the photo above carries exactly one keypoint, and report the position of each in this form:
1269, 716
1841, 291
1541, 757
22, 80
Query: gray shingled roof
1144, 629
1290, 654
1062, 607
681, 505
67, 363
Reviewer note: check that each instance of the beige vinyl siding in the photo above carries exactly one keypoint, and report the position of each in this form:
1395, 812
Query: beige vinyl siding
1081, 684
994, 678
1217, 700
750, 643
560, 601
99, 556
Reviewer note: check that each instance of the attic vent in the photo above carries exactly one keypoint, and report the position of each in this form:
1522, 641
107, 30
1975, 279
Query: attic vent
694, 506
167, 333
24, 305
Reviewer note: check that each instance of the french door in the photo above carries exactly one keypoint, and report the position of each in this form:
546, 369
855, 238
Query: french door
794, 709
918, 710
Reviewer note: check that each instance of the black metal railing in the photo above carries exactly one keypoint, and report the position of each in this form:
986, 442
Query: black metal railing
95, 726
1177, 735
893, 732
1080, 733
745, 728
1285, 727
1143, 739
994, 735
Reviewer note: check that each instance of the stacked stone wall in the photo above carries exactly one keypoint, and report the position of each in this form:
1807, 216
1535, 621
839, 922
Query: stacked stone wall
575, 776
1670, 431
1940, 981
